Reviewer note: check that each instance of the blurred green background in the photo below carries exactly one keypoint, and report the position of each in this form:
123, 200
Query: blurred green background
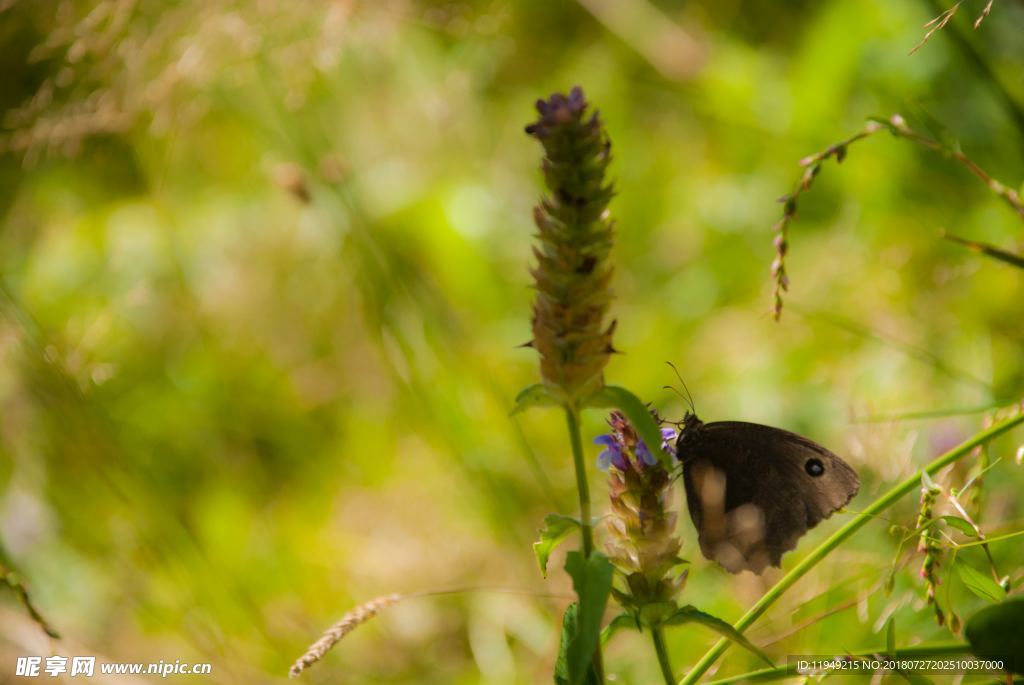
265, 271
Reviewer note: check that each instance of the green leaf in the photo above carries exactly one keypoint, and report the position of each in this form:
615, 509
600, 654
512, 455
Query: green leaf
557, 527
592, 579
620, 622
997, 632
568, 632
614, 397
890, 636
979, 583
570, 623
962, 525
534, 396
691, 614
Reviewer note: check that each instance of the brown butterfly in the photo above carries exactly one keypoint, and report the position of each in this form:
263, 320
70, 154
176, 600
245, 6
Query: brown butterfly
753, 490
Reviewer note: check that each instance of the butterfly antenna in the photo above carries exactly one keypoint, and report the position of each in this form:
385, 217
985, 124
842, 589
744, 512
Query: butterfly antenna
689, 397
682, 396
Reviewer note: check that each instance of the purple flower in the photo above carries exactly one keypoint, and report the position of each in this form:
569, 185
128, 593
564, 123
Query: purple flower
626, 451
644, 454
668, 439
612, 454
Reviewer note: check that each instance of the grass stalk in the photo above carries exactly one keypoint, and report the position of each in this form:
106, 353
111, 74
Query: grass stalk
572, 417
658, 637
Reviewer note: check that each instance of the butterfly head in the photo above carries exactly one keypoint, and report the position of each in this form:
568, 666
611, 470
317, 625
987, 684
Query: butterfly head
689, 428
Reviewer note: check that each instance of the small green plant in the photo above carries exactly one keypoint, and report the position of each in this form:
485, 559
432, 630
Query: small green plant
572, 280
641, 570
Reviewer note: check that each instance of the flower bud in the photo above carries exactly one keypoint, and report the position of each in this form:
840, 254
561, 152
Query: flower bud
573, 274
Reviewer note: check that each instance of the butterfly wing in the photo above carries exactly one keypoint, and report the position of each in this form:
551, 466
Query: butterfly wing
753, 491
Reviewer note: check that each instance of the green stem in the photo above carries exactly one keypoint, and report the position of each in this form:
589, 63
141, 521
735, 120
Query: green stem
572, 417
788, 671
658, 636
905, 487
